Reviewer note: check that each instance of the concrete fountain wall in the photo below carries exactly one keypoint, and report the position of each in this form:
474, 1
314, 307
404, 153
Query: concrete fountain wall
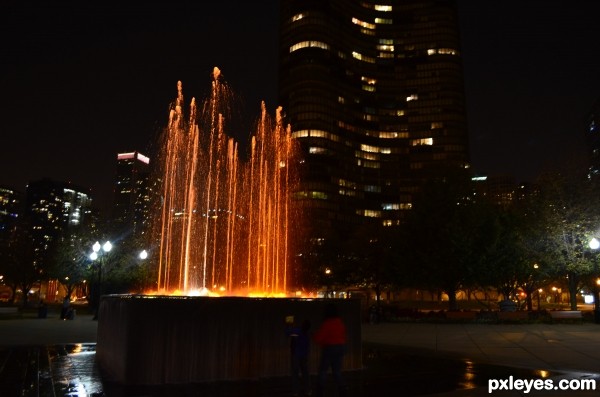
158, 340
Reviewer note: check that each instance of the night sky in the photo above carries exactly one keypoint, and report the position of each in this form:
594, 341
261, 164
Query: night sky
78, 84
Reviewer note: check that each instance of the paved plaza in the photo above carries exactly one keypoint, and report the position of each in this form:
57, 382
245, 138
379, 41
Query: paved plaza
428, 351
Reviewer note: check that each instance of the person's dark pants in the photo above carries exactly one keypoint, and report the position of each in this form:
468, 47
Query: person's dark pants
331, 357
300, 375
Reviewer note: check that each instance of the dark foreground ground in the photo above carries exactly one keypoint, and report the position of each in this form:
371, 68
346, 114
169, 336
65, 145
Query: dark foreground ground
70, 370
55, 358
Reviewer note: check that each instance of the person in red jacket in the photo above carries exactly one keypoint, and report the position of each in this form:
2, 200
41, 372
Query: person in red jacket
331, 336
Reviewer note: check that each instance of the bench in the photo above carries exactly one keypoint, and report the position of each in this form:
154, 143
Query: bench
565, 315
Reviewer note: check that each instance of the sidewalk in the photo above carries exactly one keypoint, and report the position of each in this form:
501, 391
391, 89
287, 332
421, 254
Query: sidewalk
417, 354
552, 351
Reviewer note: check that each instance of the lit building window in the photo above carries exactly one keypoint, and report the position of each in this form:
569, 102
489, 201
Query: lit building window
436, 125
384, 8
298, 17
368, 80
363, 24
315, 134
383, 21
369, 213
366, 156
396, 206
364, 58
318, 195
317, 150
300, 134
343, 182
307, 44
422, 141
375, 149
385, 47
441, 51
392, 135
369, 88
412, 97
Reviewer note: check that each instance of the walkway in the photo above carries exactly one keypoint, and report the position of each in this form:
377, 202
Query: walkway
427, 351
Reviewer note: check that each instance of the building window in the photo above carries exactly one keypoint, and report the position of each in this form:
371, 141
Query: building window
372, 189
361, 57
317, 150
363, 24
369, 213
306, 44
422, 141
298, 17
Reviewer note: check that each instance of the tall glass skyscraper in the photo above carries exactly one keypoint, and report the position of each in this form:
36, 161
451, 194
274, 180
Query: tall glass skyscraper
132, 192
374, 93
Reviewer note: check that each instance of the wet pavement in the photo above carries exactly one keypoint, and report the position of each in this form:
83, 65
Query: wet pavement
50, 357
71, 370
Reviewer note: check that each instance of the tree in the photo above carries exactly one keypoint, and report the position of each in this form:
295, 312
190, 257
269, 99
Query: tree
569, 219
449, 234
68, 262
368, 254
18, 261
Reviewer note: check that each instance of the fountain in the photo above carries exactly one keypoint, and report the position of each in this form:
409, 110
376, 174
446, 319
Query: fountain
225, 224
225, 229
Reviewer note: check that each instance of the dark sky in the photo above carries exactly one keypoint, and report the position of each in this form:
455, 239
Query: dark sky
78, 84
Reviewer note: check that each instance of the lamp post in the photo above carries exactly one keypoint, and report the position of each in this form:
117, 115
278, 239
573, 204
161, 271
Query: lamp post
99, 253
594, 245
142, 256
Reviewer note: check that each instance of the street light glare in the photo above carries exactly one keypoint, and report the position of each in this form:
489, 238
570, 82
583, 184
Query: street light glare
144, 254
94, 256
96, 247
107, 246
594, 243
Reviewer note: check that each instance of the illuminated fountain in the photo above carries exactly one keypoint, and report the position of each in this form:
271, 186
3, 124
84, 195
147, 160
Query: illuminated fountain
224, 223
225, 228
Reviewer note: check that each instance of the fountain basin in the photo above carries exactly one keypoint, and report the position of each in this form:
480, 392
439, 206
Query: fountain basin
159, 340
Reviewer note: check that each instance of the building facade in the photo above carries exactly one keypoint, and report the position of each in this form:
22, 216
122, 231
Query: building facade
11, 202
132, 192
374, 94
55, 209
593, 139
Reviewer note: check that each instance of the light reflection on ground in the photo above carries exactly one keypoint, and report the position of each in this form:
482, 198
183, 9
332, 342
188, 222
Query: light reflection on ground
71, 371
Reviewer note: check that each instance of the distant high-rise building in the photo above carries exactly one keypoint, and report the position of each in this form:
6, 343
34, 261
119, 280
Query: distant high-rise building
11, 202
54, 209
132, 192
593, 139
374, 94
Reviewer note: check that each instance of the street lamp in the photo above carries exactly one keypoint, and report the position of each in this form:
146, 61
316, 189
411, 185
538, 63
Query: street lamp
594, 245
98, 253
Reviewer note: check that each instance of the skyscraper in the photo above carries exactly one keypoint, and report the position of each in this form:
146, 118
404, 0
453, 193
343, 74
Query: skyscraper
374, 93
11, 202
132, 192
593, 139
55, 209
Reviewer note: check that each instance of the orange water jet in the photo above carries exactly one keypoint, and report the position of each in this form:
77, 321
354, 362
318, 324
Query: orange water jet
224, 223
